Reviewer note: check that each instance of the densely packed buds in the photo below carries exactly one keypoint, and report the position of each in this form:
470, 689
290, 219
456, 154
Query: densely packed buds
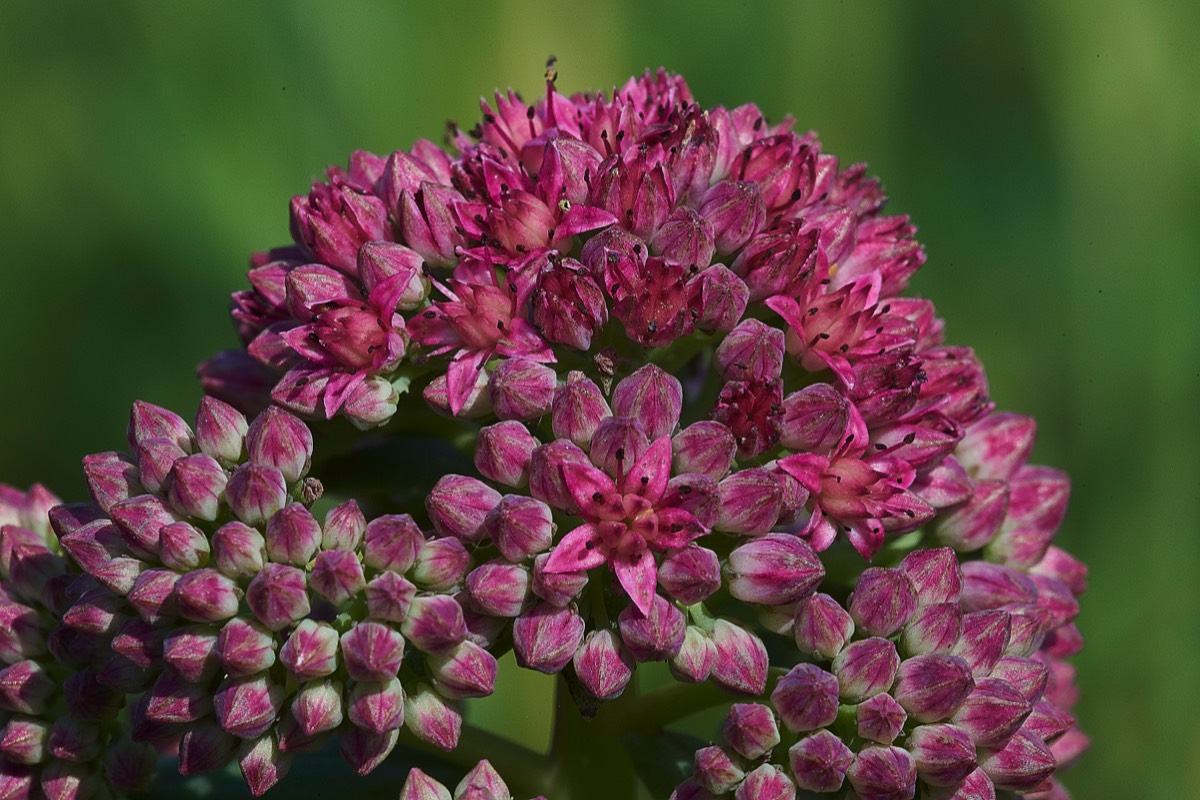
257, 630
705, 428
59, 735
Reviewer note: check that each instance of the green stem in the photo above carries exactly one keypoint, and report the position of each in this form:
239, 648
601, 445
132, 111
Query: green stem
587, 759
656, 710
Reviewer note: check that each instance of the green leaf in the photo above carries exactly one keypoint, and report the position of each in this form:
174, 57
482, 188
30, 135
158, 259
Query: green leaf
662, 761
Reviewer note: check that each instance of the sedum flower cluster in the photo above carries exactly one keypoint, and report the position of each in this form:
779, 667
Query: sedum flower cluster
702, 425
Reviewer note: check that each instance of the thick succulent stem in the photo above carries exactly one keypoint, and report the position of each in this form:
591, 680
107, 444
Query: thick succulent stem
588, 760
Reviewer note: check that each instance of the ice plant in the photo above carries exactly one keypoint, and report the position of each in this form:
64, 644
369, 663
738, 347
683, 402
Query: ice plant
642, 385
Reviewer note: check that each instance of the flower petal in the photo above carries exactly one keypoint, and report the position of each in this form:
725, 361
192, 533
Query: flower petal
649, 475
593, 491
578, 551
638, 576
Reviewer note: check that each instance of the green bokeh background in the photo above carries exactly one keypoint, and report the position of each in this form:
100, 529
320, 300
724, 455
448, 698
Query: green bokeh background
1049, 152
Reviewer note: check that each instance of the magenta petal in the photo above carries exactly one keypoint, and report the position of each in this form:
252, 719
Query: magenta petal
461, 375
638, 577
649, 475
579, 550
586, 483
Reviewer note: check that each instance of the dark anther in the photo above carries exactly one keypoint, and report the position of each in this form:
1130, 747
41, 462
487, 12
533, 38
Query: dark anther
597, 497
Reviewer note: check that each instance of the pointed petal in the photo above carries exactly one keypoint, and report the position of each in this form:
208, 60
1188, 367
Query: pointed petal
638, 577
648, 477
461, 375
578, 551
586, 483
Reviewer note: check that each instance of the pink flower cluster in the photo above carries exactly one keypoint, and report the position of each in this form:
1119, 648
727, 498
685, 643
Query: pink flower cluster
707, 429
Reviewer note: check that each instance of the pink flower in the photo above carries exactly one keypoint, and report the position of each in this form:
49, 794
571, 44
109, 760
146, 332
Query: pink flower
625, 519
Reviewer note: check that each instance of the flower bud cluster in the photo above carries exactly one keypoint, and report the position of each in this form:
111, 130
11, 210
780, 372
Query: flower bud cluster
255, 630
929, 680
58, 736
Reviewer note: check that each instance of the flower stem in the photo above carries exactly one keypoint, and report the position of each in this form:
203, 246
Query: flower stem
587, 759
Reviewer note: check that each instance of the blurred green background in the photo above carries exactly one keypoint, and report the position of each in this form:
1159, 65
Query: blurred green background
1049, 152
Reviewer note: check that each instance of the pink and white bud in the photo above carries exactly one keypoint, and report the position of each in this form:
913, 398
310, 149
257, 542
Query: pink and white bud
741, 659
205, 748
317, 707
376, 707
310, 651
684, 238
467, 670
883, 601
651, 396
483, 782
567, 304
603, 665
932, 687
372, 651
780, 568
196, 485
806, 698
736, 212
753, 351
935, 574
750, 729
545, 638
502, 453
344, 528
389, 597
193, 652
441, 564
655, 635
766, 782
520, 527
704, 447
821, 626
944, 754
371, 403
432, 718
992, 713
973, 524
434, 624
183, 547
865, 668
521, 389
1027, 676
203, 596
419, 786
457, 506
24, 740
499, 588
933, 628
220, 431
155, 457
546, 480
139, 520
263, 764
995, 447
256, 492
1058, 563
337, 575
153, 595
148, 421
577, 409
173, 699
277, 439
883, 773
814, 419
278, 596
820, 761
1021, 766
696, 656
993, 586
690, 575
556, 588
880, 719
984, 640
716, 771
245, 647
945, 485
1048, 722
293, 536
751, 502
392, 543
17, 782
247, 707
239, 551
111, 478
722, 298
